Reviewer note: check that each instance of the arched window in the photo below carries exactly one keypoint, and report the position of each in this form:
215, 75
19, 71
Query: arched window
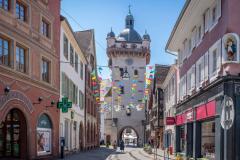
44, 135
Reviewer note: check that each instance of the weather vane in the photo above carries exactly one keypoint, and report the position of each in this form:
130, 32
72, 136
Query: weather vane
129, 9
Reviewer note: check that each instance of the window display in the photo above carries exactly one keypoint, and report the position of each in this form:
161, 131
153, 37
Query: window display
182, 139
208, 140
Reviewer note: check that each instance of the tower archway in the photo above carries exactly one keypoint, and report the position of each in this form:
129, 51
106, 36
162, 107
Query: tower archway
129, 135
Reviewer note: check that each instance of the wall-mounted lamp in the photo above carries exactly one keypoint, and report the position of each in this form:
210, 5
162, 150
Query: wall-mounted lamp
40, 99
7, 89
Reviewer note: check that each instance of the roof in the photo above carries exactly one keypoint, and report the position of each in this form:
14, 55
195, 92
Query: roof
161, 73
177, 23
129, 35
84, 39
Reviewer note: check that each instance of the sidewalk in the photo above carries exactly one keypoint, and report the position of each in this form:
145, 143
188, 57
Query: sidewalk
160, 154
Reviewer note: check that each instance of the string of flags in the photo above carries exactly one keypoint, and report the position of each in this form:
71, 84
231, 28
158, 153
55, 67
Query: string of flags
116, 88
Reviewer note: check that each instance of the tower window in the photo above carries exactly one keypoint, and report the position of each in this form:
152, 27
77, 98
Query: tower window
130, 22
121, 89
135, 72
121, 72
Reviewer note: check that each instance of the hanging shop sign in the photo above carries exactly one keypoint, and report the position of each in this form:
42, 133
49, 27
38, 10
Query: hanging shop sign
170, 120
64, 105
227, 116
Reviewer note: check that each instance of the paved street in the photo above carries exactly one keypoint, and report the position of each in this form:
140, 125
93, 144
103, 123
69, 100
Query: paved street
110, 154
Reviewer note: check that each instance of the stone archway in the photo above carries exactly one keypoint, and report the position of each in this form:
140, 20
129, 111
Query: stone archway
13, 133
81, 136
131, 139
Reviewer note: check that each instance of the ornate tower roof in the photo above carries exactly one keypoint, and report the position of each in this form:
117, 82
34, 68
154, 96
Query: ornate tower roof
129, 34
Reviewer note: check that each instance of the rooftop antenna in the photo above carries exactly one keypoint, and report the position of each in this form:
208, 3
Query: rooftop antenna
129, 9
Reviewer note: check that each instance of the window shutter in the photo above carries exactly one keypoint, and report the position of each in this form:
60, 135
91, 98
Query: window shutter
63, 84
189, 81
202, 29
219, 8
197, 75
206, 66
219, 54
193, 77
202, 68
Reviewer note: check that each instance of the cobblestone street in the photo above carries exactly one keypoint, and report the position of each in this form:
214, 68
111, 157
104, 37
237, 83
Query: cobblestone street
109, 154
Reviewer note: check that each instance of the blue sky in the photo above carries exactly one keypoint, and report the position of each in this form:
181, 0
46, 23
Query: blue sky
156, 16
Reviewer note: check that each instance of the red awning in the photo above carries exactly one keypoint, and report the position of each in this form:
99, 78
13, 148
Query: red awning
180, 119
206, 110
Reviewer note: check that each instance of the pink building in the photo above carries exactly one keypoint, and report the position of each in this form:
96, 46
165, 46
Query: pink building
206, 40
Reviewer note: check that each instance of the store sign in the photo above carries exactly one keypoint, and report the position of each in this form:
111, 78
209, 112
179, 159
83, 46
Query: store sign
170, 120
64, 105
189, 115
227, 117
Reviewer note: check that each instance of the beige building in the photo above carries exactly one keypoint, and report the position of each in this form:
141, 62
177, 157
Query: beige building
72, 86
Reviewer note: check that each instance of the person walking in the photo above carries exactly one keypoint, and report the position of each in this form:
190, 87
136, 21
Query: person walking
122, 145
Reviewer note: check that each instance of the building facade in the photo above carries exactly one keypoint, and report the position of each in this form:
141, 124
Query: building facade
169, 87
156, 113
128, 54
29, 79
86, 40
206, 40
72, 86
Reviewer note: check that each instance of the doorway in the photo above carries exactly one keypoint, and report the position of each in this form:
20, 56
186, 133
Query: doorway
13, 135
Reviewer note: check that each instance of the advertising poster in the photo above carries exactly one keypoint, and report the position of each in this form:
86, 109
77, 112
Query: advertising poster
44, 141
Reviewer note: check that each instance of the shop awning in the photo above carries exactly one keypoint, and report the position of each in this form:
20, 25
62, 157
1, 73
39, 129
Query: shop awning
206, 110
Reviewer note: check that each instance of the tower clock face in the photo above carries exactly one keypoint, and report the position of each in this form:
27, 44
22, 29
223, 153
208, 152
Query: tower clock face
129, 61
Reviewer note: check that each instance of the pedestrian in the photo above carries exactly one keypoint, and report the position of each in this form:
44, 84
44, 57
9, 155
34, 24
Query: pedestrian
115, 144
122, 145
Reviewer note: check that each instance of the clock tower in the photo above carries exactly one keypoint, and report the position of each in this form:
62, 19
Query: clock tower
128, 54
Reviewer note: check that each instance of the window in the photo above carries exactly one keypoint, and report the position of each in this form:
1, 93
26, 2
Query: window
65, 45
206, 66
121, 72
193, 77
21, 59
45, 70
4, 4
45, 29
44, 135
71, 55
81, 100
76, 62
199, 33
200, 71
4, 52
214, 15
206, 20
208, 139
81, 71
20, 11
121, 89
214, 62
189, 82
135, 73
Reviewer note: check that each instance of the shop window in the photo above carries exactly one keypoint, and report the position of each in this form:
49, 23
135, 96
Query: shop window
182, 139
44, 135
20, 11
4, 4
208, 140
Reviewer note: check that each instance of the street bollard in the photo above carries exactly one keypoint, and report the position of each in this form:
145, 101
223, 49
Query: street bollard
62, 143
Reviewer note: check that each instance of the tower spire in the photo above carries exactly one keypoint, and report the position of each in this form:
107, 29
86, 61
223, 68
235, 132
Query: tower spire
129, 9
